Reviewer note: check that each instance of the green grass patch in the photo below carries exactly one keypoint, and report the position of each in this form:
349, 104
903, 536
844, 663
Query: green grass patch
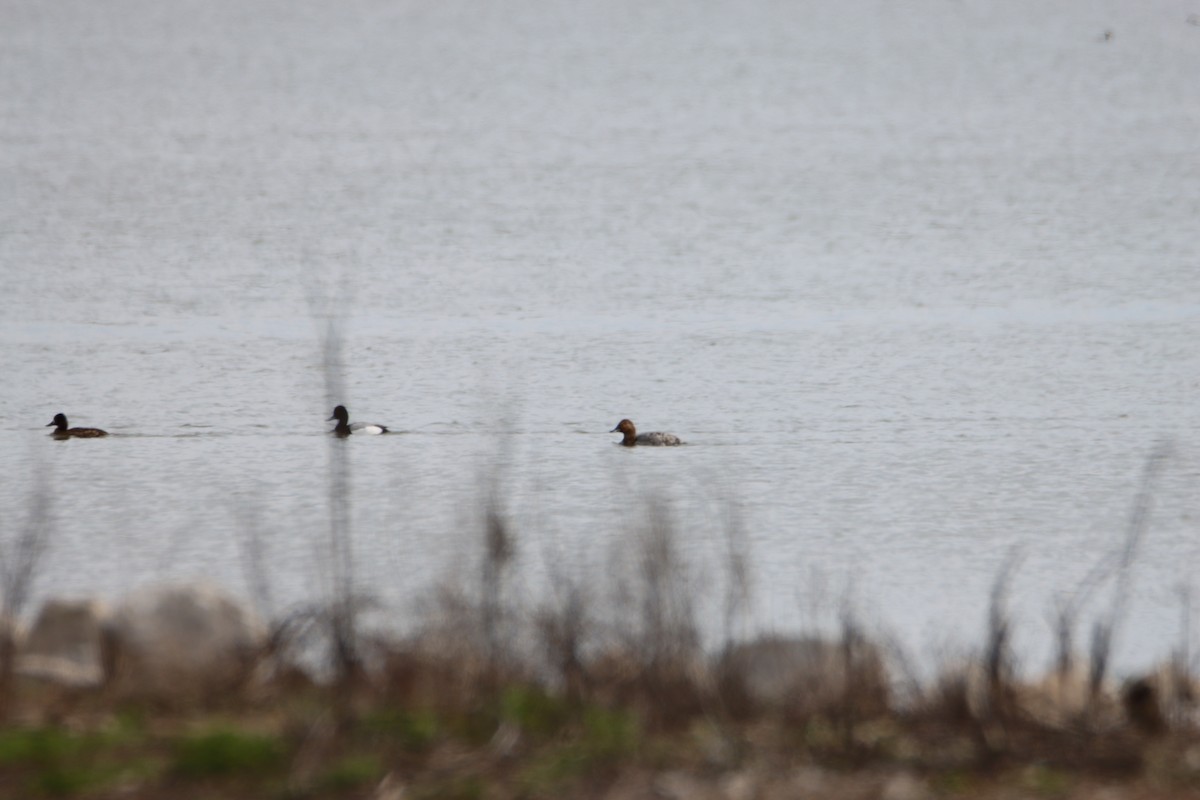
953, 782
61, 781
38, 746
1045, 782
602, 740
465, 787
226, 752
610, 733
57, 763
550, 772
475, 727
536, 713
414, 731
351, 772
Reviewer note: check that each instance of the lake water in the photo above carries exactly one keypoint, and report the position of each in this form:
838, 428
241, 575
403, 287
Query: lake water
919, 284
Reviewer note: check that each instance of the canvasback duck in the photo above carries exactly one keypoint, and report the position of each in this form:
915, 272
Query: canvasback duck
633, 438
344, 428
61, 431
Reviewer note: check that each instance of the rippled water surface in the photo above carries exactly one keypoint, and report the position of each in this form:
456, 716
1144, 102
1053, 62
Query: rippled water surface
918, 283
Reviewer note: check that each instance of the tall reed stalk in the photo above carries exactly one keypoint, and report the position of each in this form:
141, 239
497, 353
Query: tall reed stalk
20, 558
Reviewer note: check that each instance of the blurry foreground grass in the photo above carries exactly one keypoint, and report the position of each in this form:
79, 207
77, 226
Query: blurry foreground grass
603, 690
506, 737
522, 739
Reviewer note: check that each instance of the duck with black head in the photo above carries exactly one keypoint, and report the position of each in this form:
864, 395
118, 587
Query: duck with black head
344, 427
655, 439
61, 431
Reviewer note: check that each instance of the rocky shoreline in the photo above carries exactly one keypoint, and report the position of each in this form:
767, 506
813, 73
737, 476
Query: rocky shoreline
444, 714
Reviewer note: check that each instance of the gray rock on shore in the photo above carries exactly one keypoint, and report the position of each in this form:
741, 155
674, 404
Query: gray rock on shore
68, 644
167, 642
175, 641
804, 675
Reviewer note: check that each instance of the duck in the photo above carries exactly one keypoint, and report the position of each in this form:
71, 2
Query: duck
633, 438
344, 428
61, 431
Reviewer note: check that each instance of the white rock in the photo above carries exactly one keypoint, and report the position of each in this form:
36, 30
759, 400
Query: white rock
67, 644
183, 640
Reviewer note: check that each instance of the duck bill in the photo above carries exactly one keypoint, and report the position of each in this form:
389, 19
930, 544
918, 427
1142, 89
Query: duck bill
614, 430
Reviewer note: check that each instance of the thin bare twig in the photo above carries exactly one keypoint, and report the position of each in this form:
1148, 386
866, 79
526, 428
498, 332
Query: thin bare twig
1105, 629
